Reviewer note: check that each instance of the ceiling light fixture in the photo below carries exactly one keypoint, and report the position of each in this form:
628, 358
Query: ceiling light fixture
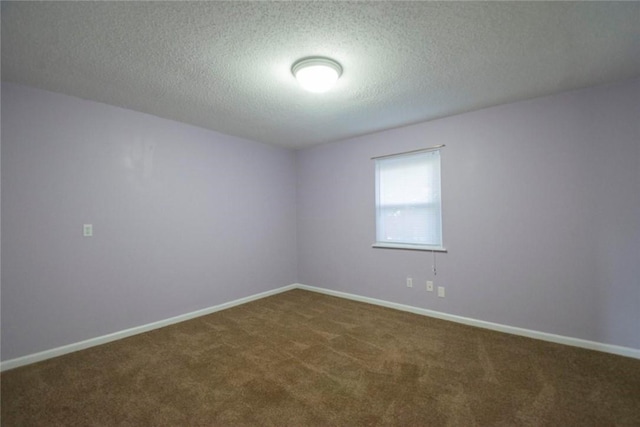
316, 74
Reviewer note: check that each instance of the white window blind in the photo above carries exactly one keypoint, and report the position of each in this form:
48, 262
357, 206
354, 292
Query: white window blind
408, 201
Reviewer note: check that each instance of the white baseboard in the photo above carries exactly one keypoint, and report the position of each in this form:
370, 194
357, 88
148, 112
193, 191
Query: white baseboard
559, 339
59, 351
576, 342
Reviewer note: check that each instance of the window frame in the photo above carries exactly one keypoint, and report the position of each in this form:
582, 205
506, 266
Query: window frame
378, 207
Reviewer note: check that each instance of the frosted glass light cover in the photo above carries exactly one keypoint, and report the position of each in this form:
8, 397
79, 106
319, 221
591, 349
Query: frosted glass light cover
317, 74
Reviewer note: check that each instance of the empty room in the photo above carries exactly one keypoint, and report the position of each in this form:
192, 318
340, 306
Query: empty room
320, 213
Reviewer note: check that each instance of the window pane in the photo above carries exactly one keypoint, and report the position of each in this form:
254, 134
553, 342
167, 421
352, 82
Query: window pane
410, 224
408, 198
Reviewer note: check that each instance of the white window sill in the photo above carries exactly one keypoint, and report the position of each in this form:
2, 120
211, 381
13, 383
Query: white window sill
408, 246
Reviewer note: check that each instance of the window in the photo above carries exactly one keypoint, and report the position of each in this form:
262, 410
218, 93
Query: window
408, 201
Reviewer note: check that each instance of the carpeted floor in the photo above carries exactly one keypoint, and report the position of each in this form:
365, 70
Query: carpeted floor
306, 359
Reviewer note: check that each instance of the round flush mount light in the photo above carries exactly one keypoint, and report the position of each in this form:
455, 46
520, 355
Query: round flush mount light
316, 74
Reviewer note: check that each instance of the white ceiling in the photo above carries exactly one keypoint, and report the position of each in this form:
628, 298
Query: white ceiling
226, 65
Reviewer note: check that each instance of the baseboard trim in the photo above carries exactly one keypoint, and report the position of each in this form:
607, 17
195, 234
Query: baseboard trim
70, 348
559, 339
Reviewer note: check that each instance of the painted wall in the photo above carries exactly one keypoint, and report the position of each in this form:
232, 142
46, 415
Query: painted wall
184, 218
541, 216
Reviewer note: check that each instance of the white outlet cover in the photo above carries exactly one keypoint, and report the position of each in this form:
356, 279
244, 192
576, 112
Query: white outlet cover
429, 286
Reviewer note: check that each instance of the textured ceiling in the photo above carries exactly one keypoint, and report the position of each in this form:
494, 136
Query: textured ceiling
226, 65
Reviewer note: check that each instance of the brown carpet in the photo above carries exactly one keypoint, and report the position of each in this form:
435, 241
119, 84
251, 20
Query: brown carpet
306, 359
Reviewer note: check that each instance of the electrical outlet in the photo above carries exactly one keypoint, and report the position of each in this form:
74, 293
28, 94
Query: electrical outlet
441, 291
429, 286
409, 282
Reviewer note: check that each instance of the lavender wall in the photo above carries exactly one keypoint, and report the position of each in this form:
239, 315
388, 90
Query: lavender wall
541, 216
183, 218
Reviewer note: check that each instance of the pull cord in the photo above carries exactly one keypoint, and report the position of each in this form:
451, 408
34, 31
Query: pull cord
435, 272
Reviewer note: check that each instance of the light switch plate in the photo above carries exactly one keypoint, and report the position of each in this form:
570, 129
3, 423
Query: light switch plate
87, 230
